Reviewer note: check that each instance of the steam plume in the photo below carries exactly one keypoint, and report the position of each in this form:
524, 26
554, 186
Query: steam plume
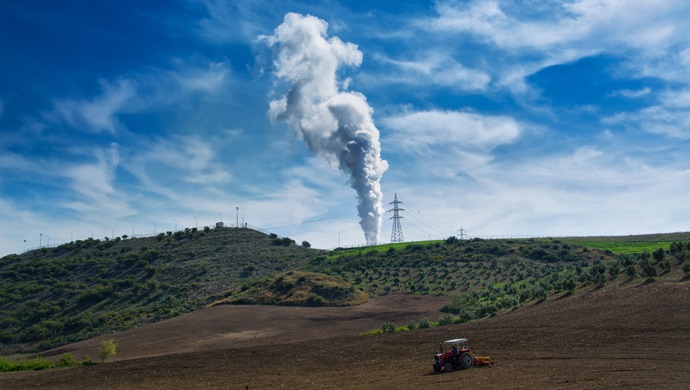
336, 125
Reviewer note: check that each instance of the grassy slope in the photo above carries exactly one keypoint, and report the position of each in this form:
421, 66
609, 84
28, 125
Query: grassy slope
296, 288
56, 295
484, 277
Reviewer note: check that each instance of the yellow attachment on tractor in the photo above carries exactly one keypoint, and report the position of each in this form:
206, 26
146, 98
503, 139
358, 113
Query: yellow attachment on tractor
482, 360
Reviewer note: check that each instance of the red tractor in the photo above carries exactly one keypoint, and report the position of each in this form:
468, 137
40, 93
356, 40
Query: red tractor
458, 355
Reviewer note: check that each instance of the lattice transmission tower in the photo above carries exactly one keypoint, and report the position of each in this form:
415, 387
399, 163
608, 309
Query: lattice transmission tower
396, 234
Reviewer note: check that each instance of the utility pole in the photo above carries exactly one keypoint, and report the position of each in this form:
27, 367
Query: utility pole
237, 217
396, 234
461, 233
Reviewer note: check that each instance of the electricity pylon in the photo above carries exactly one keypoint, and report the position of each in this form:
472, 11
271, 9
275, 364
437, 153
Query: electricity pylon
396, 234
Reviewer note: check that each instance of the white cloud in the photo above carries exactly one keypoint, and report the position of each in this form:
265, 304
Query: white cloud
433, 69
449, 144
232, 21
171, 162
589, 191
97, 114
632, 93
136, 94
467, 131
651, 38
671, 118
640, 24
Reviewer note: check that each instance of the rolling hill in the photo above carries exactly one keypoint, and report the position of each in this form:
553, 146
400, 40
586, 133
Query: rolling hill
52, 296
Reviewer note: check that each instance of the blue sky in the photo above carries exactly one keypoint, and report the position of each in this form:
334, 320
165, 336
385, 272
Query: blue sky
503, 118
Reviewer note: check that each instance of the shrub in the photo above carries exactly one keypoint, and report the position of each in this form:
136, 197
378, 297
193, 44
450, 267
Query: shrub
66, 360
424, 323
446, 319
686, 269
388, 327
412, 325
108, 349
630, 271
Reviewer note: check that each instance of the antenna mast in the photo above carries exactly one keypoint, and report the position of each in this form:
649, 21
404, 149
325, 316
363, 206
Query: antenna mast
396, 234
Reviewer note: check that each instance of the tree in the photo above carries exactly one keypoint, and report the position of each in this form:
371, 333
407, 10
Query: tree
631, 271
569, 284
614, 269
306, 244
648, 269
108, 349
659, 255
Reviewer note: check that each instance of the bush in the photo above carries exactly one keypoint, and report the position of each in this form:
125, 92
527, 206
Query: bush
108, 349
388, 327
424, 323
412, 325
446, 319
66, 360
686, 269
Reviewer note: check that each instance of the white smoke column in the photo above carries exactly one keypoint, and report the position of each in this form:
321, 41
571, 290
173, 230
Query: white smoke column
336, 125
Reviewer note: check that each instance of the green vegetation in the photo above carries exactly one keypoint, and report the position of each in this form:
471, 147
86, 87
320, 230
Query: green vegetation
486, 277
53, 296
108, 349
388, 327
38, 363
629, 244
296, 288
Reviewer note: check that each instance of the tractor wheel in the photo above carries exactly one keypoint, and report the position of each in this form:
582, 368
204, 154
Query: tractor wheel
437, 367
465, 360
449, 366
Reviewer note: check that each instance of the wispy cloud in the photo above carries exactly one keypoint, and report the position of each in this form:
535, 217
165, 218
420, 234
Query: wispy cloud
232, 21
596, 23
432, 70
94, 182
424, 130
97, 114
670, 118
136, 94
173, 162
632, 93
651, 38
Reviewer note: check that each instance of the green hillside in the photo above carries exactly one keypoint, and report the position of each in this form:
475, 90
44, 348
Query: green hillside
56, 295
485, 277
52, 296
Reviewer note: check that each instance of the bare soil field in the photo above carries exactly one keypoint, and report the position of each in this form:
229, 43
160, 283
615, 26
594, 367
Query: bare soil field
611, 338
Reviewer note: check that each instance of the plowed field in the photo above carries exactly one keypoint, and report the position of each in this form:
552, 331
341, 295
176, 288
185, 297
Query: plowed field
620, 338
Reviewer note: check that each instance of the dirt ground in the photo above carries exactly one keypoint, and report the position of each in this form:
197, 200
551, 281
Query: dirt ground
611, 338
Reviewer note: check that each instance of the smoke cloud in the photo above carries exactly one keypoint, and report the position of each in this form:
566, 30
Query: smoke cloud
334, 123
